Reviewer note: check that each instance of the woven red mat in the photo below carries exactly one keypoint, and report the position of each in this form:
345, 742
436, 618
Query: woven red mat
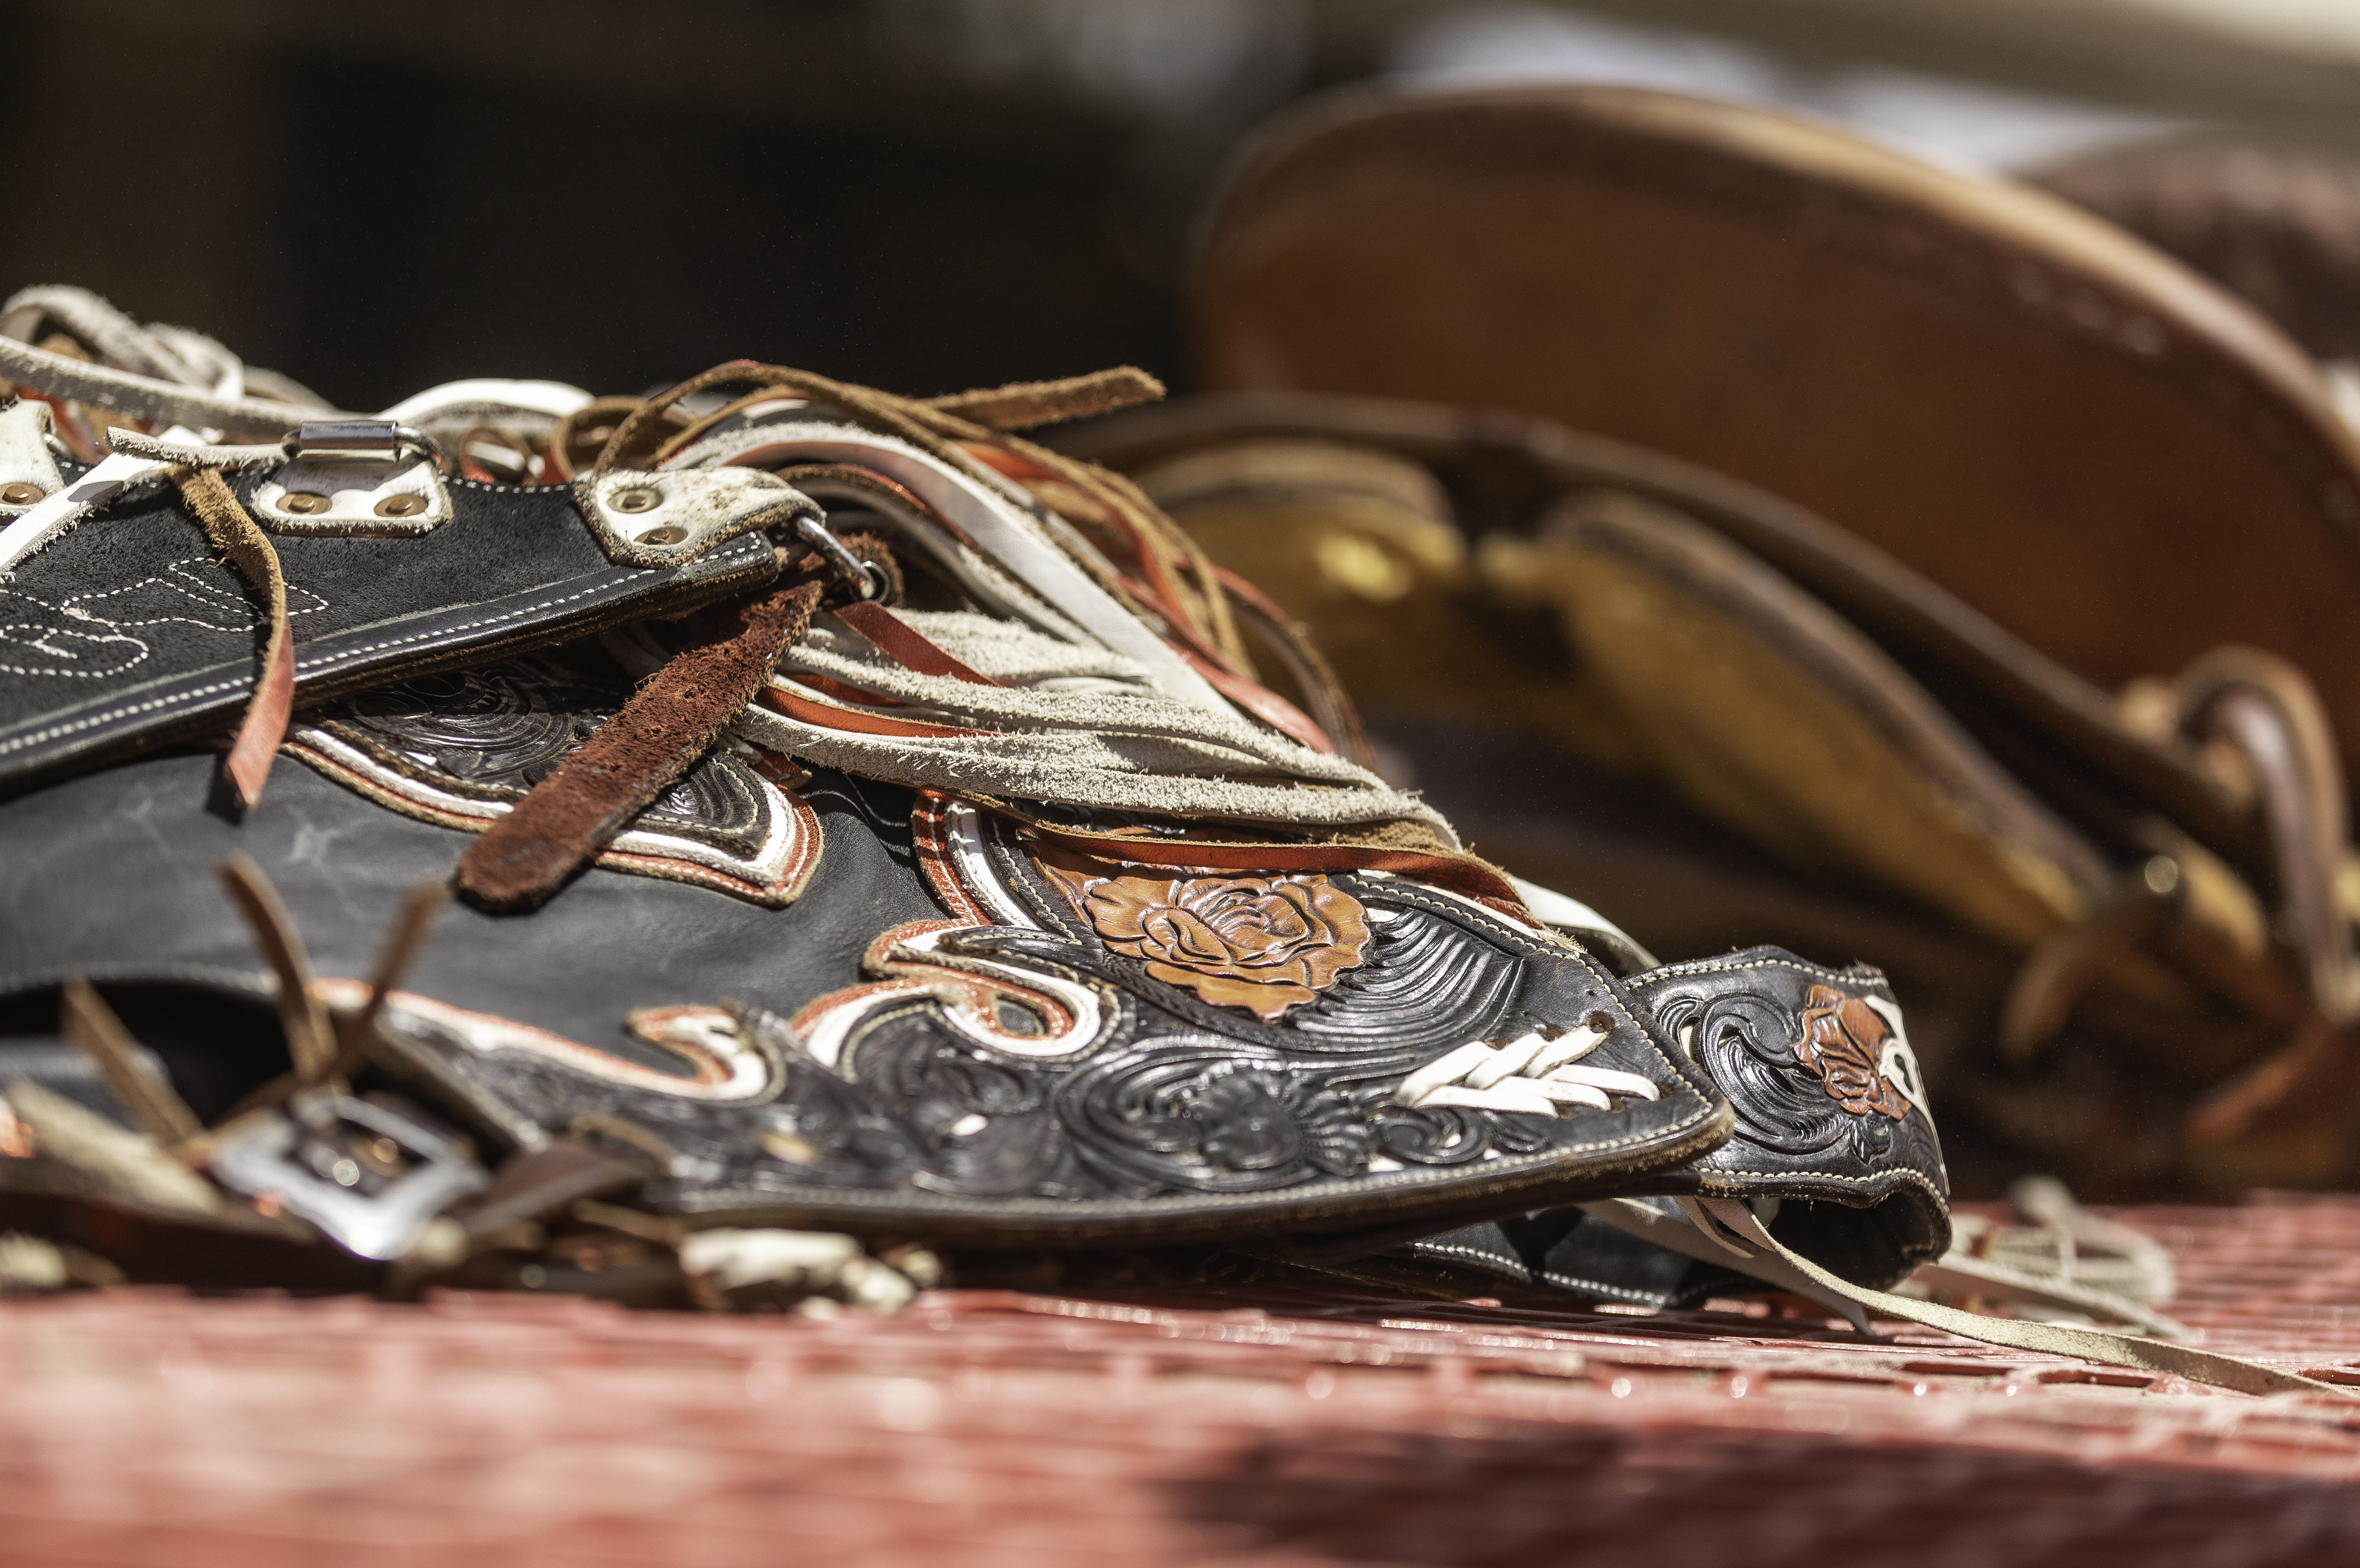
141, 1427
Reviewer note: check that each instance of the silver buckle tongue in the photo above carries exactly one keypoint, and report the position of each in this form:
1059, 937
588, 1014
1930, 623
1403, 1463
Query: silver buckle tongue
372, 1176
356, 441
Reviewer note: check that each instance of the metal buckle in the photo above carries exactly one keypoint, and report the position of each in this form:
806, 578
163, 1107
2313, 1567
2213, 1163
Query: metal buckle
370, 1176
356, 441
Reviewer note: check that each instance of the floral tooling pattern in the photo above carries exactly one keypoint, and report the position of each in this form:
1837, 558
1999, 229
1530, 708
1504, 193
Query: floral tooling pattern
1843, 1042
1265, 944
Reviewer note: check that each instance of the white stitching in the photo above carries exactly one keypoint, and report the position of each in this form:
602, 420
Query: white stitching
1570, 1282
347, 655
153, 703
329, 663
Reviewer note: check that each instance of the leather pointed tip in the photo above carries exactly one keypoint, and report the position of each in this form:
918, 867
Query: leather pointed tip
248, 775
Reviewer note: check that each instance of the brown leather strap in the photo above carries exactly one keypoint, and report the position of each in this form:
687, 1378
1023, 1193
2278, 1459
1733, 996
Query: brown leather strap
902, 643
1262, 702
249, 549
672, 720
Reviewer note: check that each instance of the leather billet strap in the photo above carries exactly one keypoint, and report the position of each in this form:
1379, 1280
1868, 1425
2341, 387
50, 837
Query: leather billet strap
894, 637
234, 534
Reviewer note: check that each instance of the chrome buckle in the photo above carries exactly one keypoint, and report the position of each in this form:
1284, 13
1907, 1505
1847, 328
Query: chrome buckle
372, 1176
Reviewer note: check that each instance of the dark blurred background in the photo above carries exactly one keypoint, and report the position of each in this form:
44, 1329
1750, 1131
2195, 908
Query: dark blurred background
922, 194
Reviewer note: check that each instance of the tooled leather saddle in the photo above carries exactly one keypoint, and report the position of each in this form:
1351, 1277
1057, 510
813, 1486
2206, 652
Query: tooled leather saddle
862, 819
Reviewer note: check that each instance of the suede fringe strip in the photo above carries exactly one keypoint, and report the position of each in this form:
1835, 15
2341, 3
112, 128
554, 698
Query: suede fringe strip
671, 721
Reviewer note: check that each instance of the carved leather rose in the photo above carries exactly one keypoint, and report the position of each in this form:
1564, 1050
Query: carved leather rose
1265, 944
1843, 1042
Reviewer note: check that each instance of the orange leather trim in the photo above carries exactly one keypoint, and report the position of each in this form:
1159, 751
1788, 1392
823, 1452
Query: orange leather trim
1459, 875
1261, 701
900, 643
266, 715
852, 720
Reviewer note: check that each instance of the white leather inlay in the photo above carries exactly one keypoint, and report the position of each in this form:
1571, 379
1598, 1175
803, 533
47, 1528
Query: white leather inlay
25, 456
356, 491
679, 512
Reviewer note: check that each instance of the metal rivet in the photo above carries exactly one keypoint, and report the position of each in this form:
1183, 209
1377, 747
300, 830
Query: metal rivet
670, 533
401, 505
303, 503
21, 495
640, 497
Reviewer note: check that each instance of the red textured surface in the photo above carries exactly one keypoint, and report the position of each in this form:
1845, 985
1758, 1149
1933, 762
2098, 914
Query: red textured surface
146, 1427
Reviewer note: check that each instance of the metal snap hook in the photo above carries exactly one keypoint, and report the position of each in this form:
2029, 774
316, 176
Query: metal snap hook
867, 578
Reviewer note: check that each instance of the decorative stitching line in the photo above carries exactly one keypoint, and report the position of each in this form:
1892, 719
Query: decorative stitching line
178, 699
1717, 966
1900, 1173
1571, 1282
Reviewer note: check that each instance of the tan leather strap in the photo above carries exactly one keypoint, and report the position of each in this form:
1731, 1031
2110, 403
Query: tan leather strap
85, 1020
234, 535
2265, 709
2051, 1339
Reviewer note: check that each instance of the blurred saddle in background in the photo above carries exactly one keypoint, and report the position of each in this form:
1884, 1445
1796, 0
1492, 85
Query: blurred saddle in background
1698, 499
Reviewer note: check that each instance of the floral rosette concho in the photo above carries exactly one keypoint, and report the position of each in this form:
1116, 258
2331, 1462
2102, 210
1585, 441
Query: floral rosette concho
862, 819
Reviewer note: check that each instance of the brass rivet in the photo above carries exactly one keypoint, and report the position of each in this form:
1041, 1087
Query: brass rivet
401, 505
640, 497
303, 503
21, 495
670, 533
